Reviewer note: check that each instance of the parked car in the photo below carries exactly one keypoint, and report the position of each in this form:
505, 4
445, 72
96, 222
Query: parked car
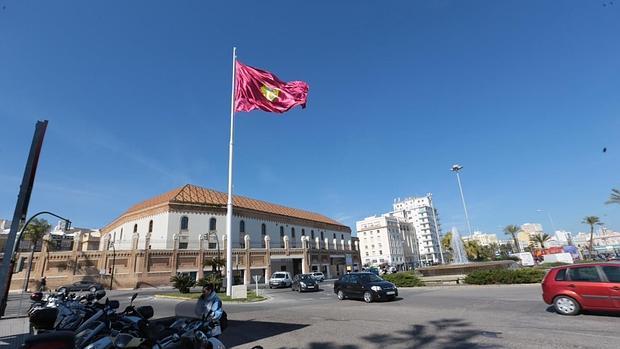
82, 285
592, 286
304, 282
318, 276
366, 286
280, 279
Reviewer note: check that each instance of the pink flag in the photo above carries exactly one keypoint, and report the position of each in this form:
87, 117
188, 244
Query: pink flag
259, 89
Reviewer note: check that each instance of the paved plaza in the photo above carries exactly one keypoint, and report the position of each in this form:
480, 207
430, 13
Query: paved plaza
428, 317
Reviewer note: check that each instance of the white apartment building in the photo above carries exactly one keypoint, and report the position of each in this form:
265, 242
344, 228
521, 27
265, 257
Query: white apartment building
420, 212
386, 239
482, 238
532, 228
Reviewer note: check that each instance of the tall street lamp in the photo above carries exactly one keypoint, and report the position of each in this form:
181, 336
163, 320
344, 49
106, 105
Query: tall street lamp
456, 168
217, 244
21, 236
548, 216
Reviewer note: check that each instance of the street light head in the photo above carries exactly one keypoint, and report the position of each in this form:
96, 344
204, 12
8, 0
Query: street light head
456, 167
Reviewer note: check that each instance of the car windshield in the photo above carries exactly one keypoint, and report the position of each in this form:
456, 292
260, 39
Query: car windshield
305, 276
370, 278
279, 276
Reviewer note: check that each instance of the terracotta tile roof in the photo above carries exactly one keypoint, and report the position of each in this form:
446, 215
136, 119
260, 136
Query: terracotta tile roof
191, 194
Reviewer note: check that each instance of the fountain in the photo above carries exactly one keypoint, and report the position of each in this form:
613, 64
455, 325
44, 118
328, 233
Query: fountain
458, 248
461, 265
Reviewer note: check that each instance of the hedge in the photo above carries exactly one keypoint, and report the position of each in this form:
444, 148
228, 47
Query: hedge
403, 279
505, 276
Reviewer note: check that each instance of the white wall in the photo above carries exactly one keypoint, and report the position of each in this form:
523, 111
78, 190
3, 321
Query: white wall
168, 224
123, 234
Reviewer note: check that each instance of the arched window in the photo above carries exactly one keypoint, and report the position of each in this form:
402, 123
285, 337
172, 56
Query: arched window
342, 236
151, 226
282, 237
312, 234
135, 228
184, 223
293, 237
303, 232
241, 233
212, 224
322, 236
263, 233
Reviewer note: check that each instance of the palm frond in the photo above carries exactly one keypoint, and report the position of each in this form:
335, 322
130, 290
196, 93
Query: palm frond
614, 198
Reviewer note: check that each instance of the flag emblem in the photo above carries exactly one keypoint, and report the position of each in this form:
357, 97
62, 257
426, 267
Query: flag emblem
260, 89
270, 93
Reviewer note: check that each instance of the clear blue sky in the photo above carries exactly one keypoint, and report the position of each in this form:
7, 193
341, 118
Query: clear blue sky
524, 94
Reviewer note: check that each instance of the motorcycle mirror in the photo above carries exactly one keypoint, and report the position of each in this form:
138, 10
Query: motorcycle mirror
99, 294
114, 304
135, 295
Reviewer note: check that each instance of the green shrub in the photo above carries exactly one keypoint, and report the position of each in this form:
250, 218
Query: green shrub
182, 282
404, 279
212, 278
505, 276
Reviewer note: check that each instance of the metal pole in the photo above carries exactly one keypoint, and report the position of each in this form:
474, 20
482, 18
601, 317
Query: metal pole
21, 208
229, 205
458, 178
113, 265
430, 196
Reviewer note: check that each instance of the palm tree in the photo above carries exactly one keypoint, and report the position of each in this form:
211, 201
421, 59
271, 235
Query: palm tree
540, 239
513, 230
591, 221
35, 231
614, 198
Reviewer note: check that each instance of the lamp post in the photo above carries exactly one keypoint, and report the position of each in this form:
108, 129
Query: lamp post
217, 244
113, 263
456, 168
548, 216
20, 237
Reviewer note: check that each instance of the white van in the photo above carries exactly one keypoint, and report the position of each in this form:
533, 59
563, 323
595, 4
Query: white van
280, 279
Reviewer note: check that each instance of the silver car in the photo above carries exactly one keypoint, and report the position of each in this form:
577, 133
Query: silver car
318, 276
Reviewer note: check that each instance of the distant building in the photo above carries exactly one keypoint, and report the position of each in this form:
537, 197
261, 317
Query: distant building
386, 239
532, 228
421, 213
482, 239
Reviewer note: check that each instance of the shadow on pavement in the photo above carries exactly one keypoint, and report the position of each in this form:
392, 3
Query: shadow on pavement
242, 332
444, 333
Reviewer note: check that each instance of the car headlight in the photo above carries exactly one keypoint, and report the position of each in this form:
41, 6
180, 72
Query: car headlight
376, 288
303, 284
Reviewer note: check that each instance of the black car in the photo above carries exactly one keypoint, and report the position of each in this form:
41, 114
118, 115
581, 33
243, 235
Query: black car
304, 282
366, 286
83, 285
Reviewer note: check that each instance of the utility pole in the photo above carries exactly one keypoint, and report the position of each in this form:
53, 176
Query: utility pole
21, 210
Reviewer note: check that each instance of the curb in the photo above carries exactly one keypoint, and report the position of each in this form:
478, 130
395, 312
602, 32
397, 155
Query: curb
163, 296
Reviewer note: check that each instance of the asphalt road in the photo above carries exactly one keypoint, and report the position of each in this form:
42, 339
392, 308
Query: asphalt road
430, 317
433, 317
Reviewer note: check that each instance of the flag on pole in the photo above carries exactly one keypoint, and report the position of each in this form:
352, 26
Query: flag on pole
259, 89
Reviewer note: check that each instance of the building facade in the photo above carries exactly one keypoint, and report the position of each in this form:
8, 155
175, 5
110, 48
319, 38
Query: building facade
420, 212
386, 239
193, 218
482, 239
182, 231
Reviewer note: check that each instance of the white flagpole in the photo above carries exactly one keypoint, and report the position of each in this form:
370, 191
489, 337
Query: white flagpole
229, 205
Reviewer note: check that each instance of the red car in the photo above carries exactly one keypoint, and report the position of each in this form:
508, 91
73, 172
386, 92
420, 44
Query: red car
593, 286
